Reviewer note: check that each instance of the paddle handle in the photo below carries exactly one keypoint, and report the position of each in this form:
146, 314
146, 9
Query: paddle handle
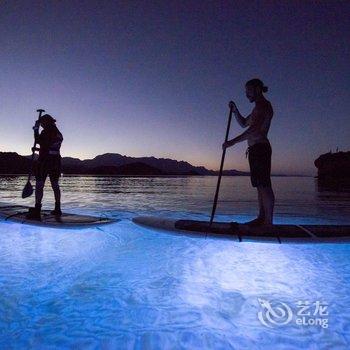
40, 111
221, 168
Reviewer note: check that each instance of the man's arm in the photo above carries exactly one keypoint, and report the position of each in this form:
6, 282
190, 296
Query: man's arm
243, 122
257, 118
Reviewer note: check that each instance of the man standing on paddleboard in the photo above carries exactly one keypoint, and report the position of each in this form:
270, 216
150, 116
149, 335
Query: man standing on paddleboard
259, 148
48, 164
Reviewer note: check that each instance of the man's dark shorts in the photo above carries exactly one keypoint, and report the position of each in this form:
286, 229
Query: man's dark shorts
260, 164
49, 166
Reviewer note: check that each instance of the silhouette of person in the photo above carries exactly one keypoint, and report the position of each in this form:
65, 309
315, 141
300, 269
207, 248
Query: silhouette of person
259, 148
48, 163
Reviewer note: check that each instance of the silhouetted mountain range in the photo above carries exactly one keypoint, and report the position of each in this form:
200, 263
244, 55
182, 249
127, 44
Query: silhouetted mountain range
112, 164
13, 163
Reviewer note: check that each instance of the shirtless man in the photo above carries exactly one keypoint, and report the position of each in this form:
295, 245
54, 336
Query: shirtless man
259, 148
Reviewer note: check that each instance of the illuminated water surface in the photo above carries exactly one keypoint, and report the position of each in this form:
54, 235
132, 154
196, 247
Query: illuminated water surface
127, 286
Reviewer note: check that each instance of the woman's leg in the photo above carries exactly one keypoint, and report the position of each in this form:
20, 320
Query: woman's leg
34, 213
39, 192
56, 190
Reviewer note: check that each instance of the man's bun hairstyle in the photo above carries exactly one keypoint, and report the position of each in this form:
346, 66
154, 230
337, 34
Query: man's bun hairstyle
257, 83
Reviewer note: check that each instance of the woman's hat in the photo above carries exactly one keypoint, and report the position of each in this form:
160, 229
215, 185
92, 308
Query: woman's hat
46, 118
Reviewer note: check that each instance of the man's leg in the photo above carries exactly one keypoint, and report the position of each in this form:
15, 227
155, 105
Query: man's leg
268, 199
261, 217
261, 204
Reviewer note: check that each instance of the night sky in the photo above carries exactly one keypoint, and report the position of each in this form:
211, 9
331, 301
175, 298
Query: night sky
146, 78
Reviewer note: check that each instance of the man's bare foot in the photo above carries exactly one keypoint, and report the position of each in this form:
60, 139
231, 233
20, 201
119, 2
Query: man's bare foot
234, 225
256, 222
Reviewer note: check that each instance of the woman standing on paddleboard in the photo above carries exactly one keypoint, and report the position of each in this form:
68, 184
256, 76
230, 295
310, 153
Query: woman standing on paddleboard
259, 148
48, 164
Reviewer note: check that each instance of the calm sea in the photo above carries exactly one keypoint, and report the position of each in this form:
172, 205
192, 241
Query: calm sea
297, 198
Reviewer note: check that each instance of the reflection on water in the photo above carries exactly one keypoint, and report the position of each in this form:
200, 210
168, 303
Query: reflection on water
296, 197
335, 188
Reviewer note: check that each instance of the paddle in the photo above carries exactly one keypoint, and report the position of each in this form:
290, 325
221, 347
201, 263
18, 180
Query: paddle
28, 188
221, 168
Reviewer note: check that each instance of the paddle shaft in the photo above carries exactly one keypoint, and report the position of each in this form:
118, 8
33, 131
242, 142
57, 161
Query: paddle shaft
221, 168
40, 111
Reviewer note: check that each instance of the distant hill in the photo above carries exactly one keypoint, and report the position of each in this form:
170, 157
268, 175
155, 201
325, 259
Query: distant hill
115, 164
164, 165
112, 164
13, 163
128, 169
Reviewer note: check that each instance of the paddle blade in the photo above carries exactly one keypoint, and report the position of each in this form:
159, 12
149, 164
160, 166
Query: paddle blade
27, 190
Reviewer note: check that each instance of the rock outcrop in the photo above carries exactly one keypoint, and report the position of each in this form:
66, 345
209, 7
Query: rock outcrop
333, 168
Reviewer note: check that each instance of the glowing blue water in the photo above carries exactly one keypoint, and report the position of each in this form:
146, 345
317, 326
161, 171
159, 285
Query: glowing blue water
125, 286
